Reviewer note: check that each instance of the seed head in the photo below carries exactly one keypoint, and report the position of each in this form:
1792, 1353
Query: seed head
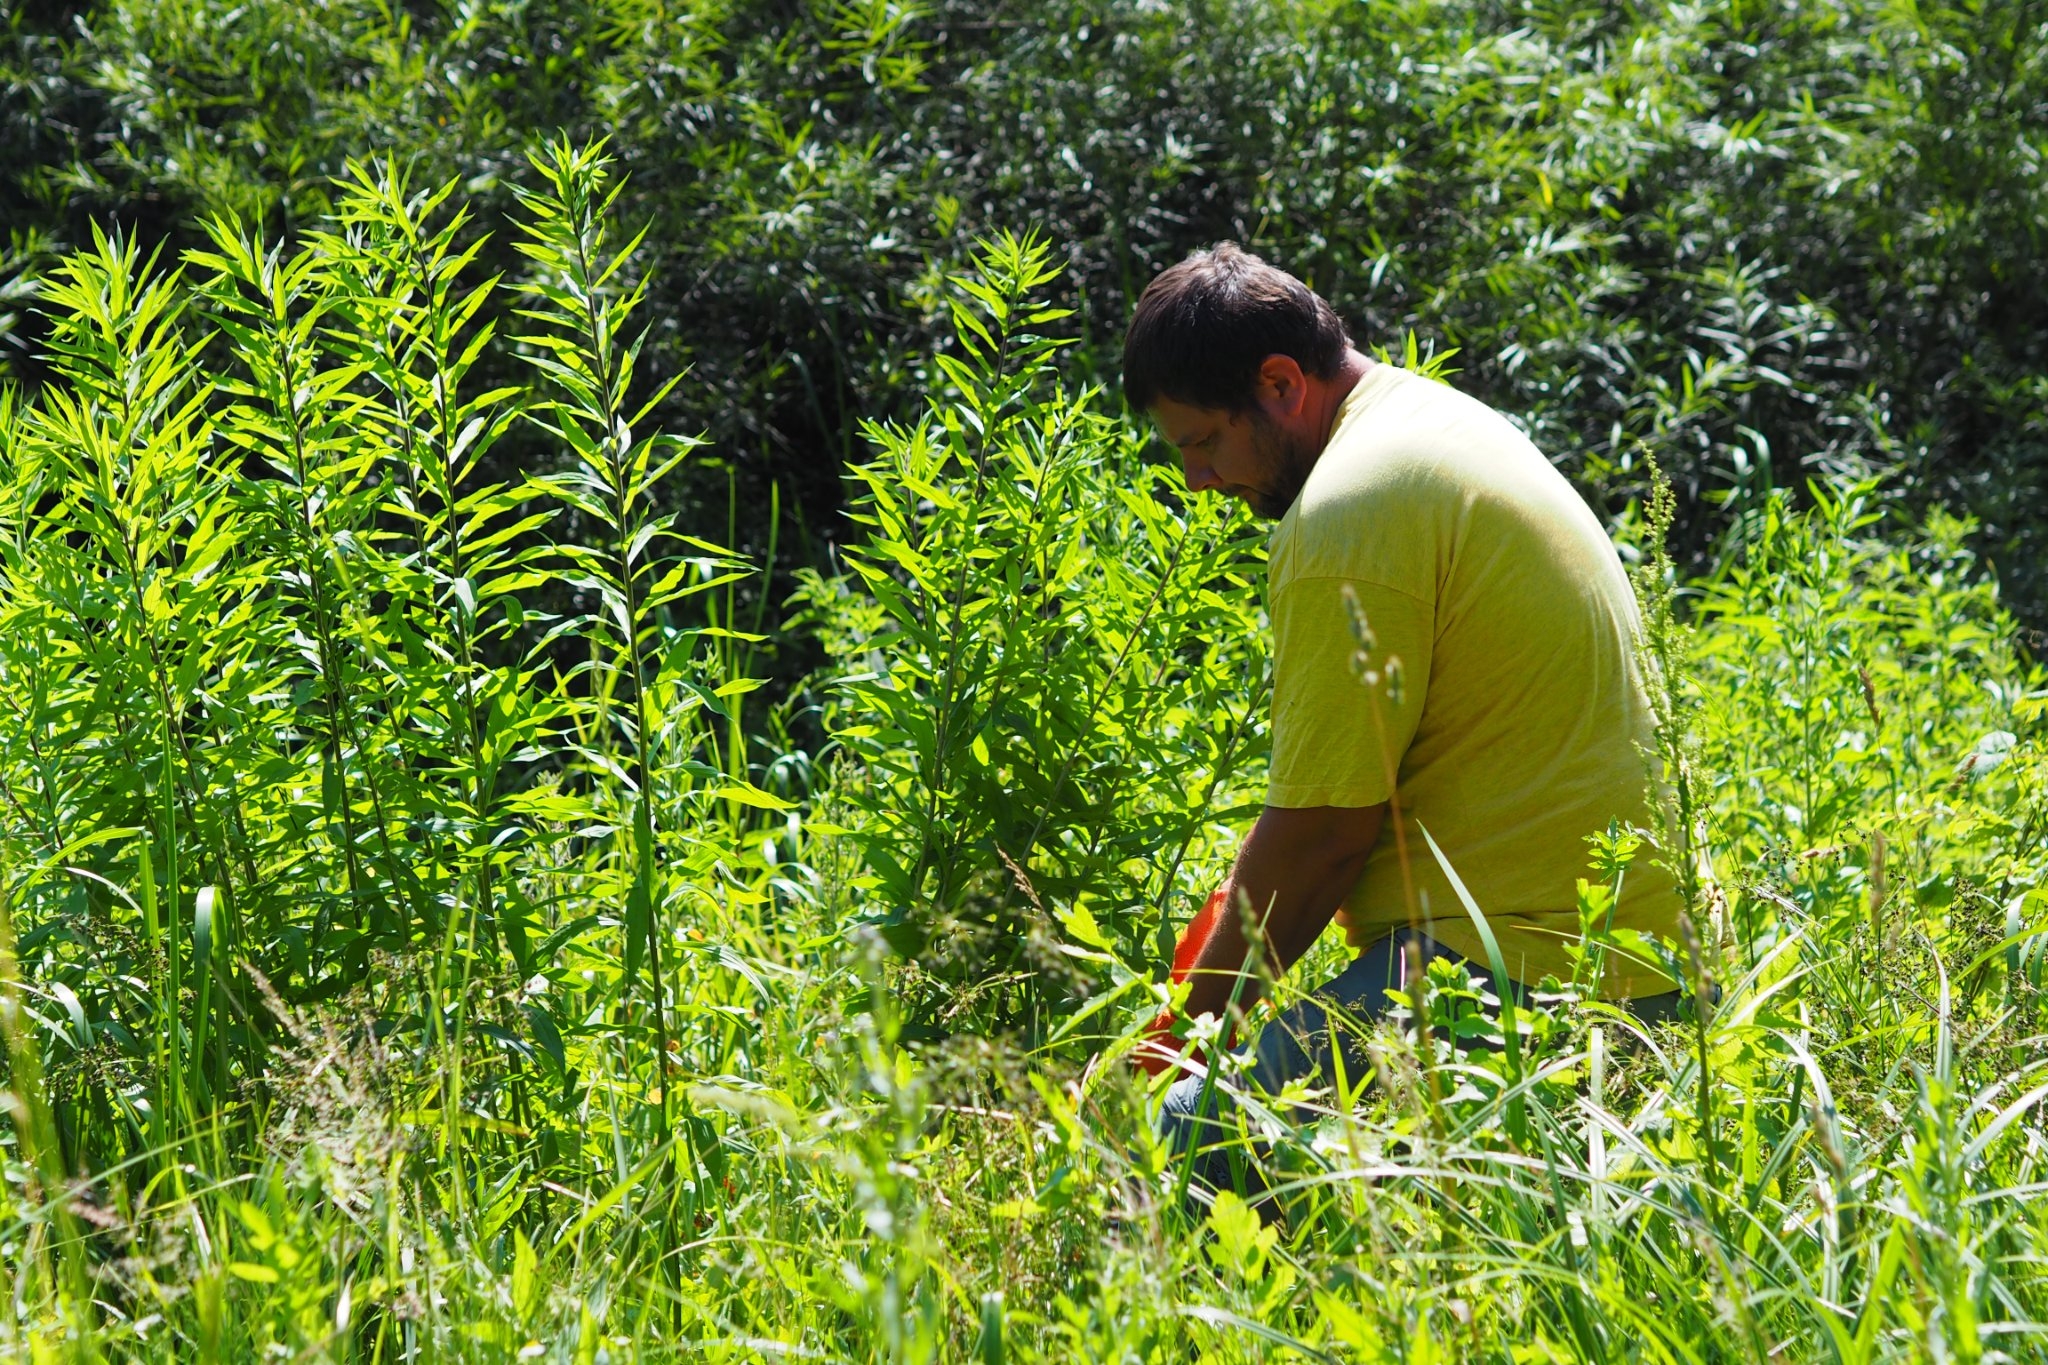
1361, 629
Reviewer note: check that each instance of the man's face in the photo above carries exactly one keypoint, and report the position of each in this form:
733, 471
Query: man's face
1243, 454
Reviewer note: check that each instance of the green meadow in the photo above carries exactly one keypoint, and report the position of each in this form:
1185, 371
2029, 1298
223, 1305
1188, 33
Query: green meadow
606, 721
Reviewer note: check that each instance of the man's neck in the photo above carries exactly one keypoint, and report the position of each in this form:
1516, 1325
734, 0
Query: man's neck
1335, 390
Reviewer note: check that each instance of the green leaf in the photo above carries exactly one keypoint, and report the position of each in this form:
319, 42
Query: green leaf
751, 796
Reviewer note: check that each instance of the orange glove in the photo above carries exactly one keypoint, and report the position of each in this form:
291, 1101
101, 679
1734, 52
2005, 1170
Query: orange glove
1161, 1049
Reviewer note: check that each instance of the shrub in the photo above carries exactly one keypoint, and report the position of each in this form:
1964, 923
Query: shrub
1056, 673
282, 728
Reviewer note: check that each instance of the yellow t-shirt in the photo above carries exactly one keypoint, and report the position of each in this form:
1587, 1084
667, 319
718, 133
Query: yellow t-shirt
1523, 714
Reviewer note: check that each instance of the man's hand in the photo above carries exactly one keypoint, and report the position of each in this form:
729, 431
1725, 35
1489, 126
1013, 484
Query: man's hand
1160, 1049
1354, 935
1295, 868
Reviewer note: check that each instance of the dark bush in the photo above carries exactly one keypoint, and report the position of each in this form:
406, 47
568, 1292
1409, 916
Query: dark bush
1766, 240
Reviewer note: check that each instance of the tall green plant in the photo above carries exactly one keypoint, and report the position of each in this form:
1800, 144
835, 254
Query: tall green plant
415, 328
298, 416
1058, 659
144, 605
629, 568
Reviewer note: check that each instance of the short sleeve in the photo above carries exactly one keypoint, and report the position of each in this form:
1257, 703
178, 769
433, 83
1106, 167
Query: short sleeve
1329, 748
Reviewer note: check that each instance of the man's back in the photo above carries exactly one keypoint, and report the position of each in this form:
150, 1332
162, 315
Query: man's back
1522, 719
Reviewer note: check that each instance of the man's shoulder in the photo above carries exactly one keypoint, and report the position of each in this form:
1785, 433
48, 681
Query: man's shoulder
1413, 438
1411, 477
1391, 485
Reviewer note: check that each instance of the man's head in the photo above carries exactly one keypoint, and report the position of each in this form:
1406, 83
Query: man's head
1238, 363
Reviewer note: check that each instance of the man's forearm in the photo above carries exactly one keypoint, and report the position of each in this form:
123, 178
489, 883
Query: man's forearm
1294, 869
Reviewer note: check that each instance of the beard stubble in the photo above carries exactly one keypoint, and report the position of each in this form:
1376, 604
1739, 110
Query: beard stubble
1287, 464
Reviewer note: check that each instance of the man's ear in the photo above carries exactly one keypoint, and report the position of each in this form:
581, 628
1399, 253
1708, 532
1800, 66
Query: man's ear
1282, 389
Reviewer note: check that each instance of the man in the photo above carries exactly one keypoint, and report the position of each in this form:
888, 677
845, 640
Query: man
1508, 716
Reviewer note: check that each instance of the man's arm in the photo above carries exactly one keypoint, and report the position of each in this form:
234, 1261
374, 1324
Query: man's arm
1295, 867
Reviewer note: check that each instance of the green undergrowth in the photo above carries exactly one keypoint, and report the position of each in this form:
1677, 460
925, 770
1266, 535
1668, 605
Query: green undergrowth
394, 971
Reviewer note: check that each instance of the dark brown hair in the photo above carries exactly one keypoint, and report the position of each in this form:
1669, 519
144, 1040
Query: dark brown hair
1203, 328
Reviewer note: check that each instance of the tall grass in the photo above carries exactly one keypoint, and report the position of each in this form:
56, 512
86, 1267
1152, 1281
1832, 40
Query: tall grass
409, 952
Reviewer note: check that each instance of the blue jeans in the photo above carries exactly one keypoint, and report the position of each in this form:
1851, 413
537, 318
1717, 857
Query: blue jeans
1304, 1043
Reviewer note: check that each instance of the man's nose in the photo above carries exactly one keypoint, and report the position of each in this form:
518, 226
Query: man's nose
1200, 477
